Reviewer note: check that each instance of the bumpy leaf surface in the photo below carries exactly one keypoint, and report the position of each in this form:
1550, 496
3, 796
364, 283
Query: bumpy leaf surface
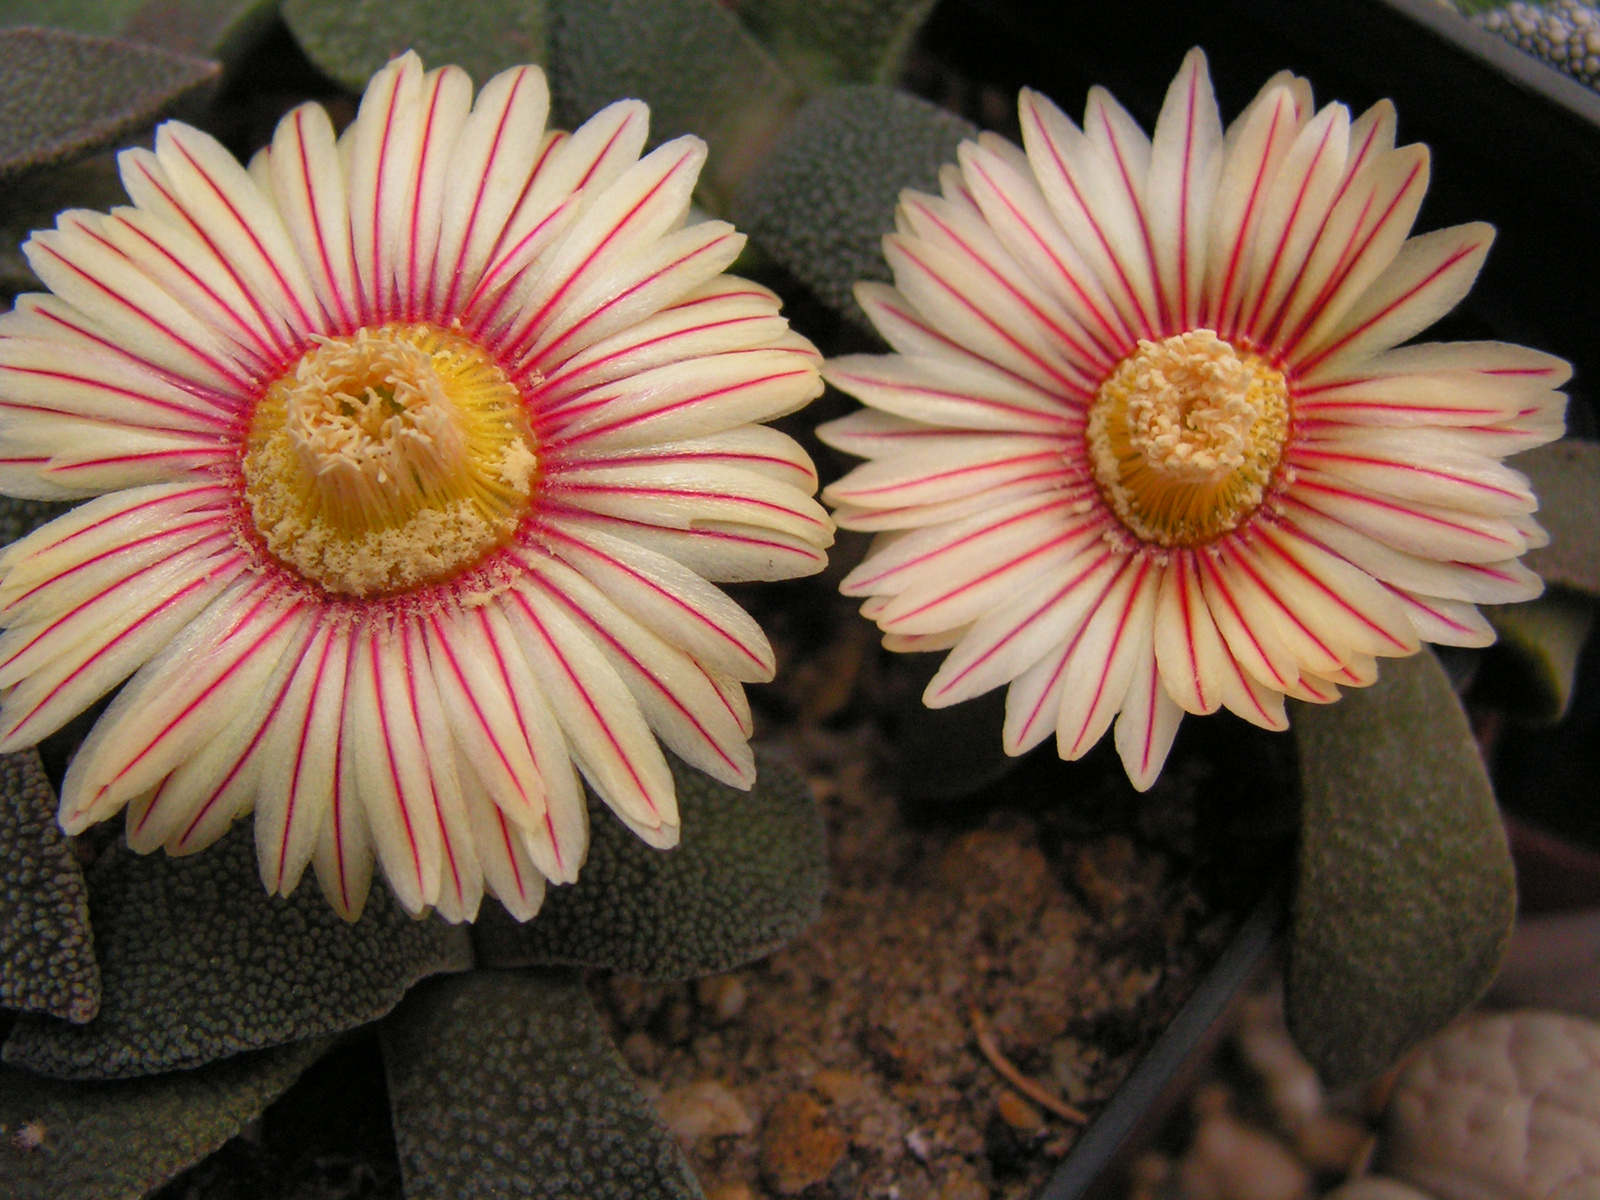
63, 94
691, 61
352, 39
821, 202
198, 962
119, 1140
216, 28
747, 876
503, 1083
46, 949
85, 16
838, 41
1566, 478
1406, 895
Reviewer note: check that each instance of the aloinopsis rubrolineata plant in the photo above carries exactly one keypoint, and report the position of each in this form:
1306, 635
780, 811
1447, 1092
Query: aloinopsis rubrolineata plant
1150, 442
415, 454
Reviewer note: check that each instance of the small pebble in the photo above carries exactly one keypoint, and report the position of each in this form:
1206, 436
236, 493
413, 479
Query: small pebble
1018, 1113
704, 1108
1231, 1161
723, 996
799, 1146
1332, 1144
840, 1087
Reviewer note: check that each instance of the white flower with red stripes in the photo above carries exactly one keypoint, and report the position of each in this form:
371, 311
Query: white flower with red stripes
1151, 443
415, 452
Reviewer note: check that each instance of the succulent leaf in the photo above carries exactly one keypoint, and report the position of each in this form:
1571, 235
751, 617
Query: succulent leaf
223, 29
503, 1083
117, 1141
47, 959
198, 962
1566, 478
747, 875
1530, 670
837, 41
64, 94
821, 201
82, 16
352, 39
1406, 894
691, 61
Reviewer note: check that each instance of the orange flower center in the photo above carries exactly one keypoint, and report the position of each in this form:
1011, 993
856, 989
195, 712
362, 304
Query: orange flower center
1184, 437
388, 459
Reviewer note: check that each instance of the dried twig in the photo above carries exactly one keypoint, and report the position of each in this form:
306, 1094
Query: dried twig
1008, 1071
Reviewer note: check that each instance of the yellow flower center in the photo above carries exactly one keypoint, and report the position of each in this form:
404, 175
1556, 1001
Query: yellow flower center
1184, 437
389, 459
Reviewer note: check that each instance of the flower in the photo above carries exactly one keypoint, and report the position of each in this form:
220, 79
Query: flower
415, 451
1150, 443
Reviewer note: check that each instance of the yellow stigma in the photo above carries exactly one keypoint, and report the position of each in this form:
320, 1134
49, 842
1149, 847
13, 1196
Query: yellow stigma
1184, 437
389, 459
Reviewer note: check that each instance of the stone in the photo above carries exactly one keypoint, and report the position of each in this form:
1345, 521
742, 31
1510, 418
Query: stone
1018, 1113
799, 1146
701, 1109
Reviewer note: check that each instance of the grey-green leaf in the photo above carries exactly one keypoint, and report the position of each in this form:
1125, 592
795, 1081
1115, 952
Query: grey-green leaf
210, 28
64, 94
838, 41
84, 16
46, 949
1406, 894
198, 962
747, 876
691, 61
821, 202
503, 1083
1531, 668
119, 1140
1566, 478
351, 39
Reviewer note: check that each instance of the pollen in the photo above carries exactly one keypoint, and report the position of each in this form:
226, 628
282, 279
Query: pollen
392, 458
1185, 436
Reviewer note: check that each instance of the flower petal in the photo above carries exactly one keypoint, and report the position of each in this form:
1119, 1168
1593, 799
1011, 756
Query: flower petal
1011, 638
178, 700
302, 741
950, 395
605, 730
679, 701
1428, 278
308, 185
389, 767
1100, 664
491, 165
1185, 167
380, 160
1148, 721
